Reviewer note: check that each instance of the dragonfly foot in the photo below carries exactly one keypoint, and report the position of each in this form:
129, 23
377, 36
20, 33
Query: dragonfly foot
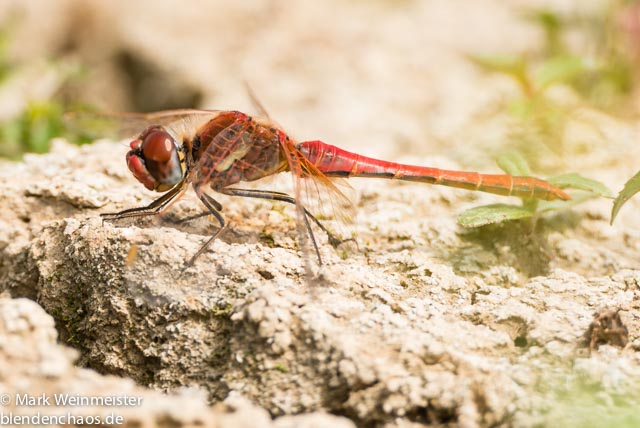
336, 242
205, 246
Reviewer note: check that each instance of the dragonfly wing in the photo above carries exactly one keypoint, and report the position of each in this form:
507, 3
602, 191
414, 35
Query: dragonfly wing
123, 125
246, 150
325, 199
220, 154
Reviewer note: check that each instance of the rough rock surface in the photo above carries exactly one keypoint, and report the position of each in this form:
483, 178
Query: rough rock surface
33, 365
423, 323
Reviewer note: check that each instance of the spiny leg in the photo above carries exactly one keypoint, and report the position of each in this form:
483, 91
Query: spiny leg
283, 197
154, 208
213, 206
276, 196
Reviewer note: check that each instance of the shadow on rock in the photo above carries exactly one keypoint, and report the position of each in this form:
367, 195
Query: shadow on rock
522, 244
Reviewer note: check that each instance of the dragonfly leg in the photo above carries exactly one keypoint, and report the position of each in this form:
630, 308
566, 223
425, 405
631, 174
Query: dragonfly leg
278, 196
215, 204
190, 218
214, 208
283, 197
154, 208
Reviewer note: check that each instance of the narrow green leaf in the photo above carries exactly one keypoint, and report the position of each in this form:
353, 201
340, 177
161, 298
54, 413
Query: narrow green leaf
546, 18
515, 66
513, 164
576, 181
560, 69
631, 187
495, 213
545, 206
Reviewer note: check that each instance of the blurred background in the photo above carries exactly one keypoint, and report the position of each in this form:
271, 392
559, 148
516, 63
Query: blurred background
392, 78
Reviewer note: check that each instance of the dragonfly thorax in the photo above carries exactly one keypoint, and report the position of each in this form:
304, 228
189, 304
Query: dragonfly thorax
154, 161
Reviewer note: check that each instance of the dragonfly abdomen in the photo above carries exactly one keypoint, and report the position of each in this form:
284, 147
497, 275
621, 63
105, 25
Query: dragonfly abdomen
336, 162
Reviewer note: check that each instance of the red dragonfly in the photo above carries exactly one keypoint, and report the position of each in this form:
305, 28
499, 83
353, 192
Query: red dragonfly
215, 150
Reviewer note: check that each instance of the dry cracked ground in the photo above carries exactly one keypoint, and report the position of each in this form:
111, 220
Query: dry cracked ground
424, 323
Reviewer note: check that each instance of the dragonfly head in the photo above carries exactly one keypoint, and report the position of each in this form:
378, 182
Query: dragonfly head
154, 160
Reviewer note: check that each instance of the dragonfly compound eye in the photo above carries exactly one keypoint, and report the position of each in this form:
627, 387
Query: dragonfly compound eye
153, 160
158, 146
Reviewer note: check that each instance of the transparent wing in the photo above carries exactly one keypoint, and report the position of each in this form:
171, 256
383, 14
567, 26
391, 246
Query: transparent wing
122, 125
231, 140
246, 150
329, 199
317, 194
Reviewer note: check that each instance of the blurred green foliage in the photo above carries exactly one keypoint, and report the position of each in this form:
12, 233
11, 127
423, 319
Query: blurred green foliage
40, 120
5, 65
575, 398
599, 73
32, 130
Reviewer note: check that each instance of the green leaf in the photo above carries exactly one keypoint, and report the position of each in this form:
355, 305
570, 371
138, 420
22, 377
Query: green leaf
515, 66
10, 139
631, 187
561, 69
513, 164
545, 206
489, 214
576, 181
553, 25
